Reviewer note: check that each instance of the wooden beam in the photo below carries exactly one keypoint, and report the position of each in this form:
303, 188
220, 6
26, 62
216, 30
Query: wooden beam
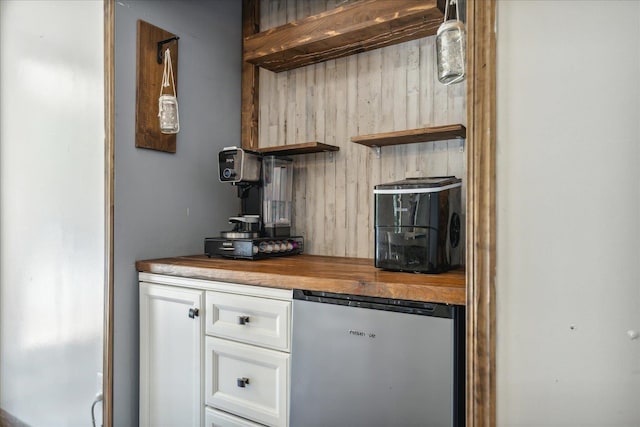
481, 214
411, 136
250, 79
346, 30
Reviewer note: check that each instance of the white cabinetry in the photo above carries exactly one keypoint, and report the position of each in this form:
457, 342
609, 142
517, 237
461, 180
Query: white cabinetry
228, 366
171, 330
253, 320
247, 356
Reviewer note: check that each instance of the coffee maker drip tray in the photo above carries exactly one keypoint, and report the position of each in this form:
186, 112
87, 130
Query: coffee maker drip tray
253, 248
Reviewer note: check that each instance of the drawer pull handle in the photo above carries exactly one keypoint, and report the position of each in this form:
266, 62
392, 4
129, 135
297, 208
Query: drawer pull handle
193, 313
243, 320
242, 382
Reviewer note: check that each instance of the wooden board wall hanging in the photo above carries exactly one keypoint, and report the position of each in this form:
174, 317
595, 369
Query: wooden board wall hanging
151, 44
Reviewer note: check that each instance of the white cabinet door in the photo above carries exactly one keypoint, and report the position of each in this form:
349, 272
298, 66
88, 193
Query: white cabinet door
171, 331
247, 381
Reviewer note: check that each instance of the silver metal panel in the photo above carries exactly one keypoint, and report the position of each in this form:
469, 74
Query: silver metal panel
362, 367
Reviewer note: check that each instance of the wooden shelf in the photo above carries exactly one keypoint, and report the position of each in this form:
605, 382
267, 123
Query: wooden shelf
293, 149
346, 30
435, 133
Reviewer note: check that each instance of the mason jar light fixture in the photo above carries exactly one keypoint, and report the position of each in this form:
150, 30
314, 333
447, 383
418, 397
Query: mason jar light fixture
451, 45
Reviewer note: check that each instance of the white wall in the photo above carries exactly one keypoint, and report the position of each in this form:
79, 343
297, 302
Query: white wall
568, 284
166, 204
51, 209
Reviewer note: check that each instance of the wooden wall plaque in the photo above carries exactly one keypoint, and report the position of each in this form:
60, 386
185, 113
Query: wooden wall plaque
148, 82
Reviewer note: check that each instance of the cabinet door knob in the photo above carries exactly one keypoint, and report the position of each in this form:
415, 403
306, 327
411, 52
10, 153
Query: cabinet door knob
242, 382
193, 313
243, 320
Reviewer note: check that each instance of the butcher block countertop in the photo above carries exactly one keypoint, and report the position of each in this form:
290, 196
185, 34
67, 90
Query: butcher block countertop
319, 273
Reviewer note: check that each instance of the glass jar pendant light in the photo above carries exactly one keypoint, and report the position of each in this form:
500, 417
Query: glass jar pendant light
168, 104
451, 46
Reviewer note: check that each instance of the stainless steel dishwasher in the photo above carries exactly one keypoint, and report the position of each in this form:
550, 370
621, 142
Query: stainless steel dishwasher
362, 361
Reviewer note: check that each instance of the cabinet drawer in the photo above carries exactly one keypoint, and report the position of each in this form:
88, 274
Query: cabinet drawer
215, 418
260, 321
247, 381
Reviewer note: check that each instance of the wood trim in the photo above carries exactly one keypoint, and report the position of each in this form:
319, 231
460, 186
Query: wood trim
250, 79
481, 213
109, 120
357, 27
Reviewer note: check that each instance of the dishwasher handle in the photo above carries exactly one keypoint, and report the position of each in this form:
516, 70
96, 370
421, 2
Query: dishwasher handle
376, 303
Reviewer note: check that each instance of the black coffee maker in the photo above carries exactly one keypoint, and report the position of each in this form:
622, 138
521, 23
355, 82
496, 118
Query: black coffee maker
263, 226
242, 169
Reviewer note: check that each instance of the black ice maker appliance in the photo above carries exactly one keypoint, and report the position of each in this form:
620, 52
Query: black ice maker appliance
418, 226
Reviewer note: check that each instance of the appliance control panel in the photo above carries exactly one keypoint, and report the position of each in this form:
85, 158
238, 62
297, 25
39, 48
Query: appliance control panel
237, 165
227, 161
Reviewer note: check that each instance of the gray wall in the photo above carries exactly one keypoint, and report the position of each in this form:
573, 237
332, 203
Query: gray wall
568, 213
51, 209
165, 204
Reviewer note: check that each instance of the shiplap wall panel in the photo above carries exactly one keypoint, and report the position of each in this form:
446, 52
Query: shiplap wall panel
388, 89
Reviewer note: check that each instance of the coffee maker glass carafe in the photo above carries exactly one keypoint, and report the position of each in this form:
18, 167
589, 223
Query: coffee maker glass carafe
277, 190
